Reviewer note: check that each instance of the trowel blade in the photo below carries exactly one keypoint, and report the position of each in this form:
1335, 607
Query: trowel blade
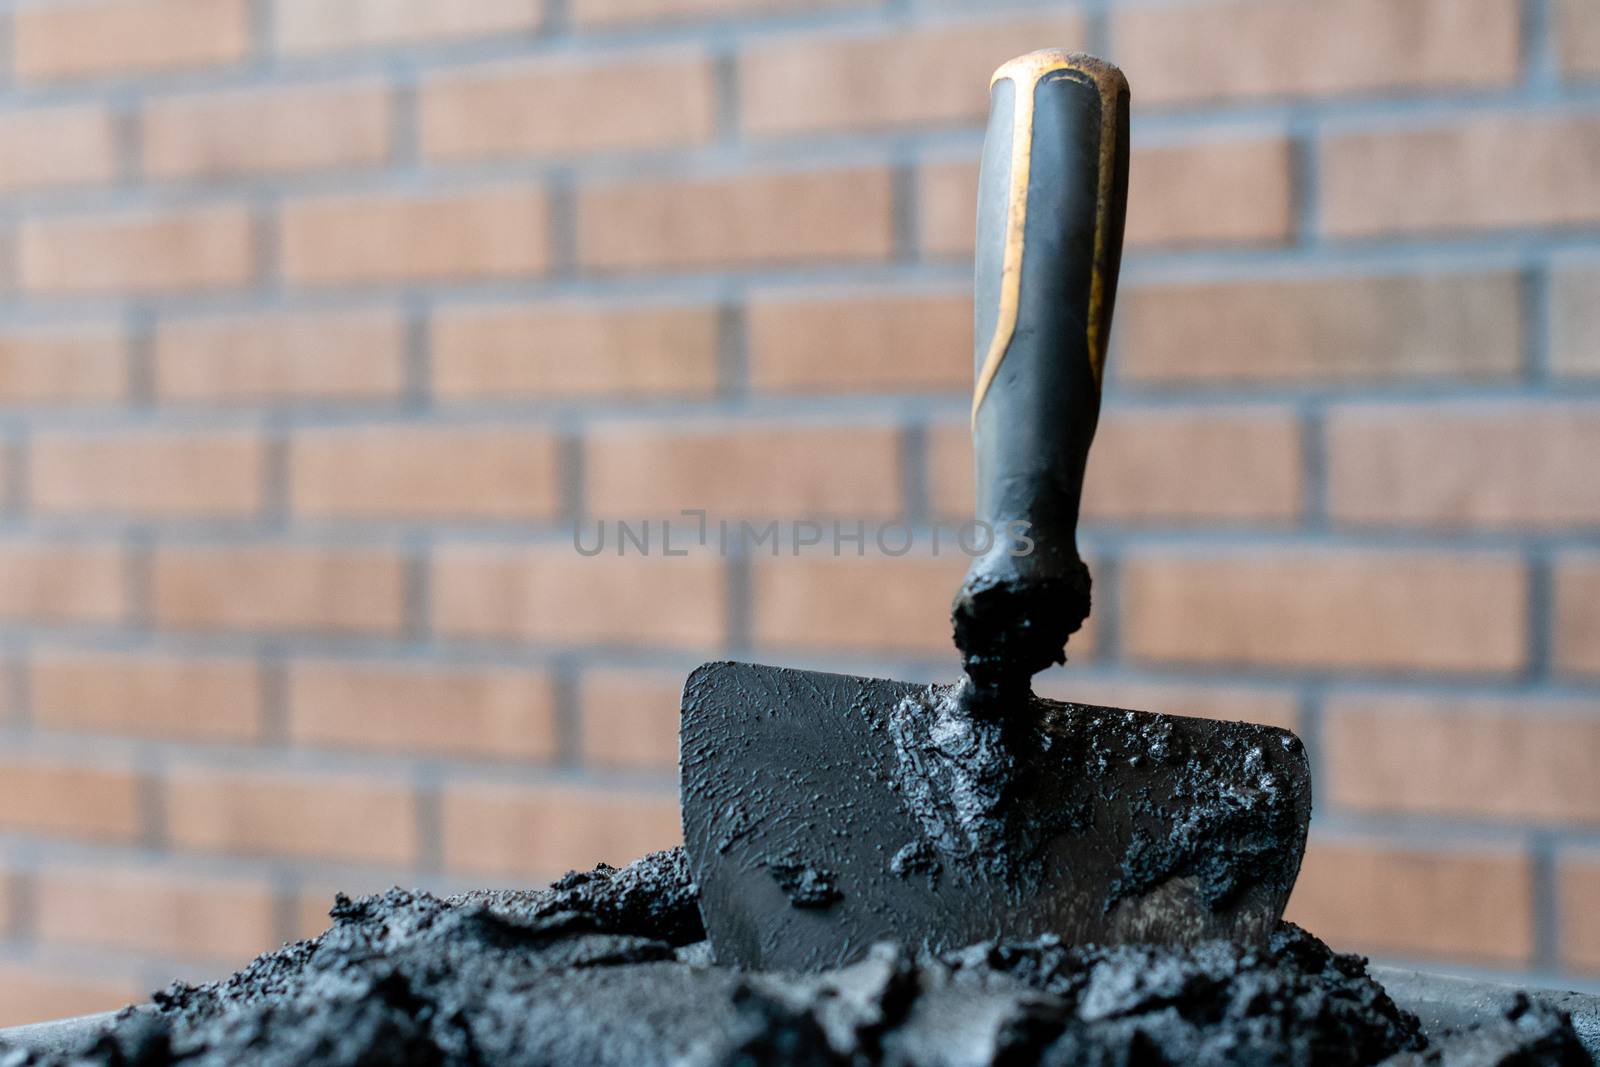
823, 813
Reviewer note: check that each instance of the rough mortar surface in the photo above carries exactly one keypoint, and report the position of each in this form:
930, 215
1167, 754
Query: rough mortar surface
611, 967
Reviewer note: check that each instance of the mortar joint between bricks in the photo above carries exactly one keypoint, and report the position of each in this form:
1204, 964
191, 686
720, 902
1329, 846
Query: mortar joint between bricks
1539, 62
565, 693
15, 487
725, 75
273, 678
417, 609
18, 686
152, 803
405, 136
286, 892
418, 371
555, 19
1309, 712
1106, 608
733, 348
740, 596
916, 503
428, 816
1534, 306
1097, 28
138, 565
128, 144
1541, 615
570, 468
905, 199
24, 925
276, 478
1314, 467
562, 194
264, 218
263, 33
1305, 192
139, 328
1545, 877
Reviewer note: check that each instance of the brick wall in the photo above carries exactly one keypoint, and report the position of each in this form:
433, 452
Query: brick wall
321, 321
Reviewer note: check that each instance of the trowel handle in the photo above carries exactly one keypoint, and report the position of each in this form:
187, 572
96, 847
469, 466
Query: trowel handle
1052, 193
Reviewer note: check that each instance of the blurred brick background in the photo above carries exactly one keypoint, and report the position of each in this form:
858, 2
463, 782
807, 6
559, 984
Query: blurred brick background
321, 321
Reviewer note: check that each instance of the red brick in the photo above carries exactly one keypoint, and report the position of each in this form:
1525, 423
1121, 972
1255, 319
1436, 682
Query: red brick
161, 912
1514, 759
573, 350
947, 209
1577, 614
55, 41
1228, 192
630, 718
318, 26
757, 470
481, 711
886, 342
1468, 904
1577, 32
62, 582
931, 74
263, 587
1580, 923
311, 914
623, 105
1269, 707
1161, 465
865, 605
145, 474
146, 696
1481, 174
58, 146
255, 813
1523, 466
62, 365
1152, 466
480, 233
599, 13
1233, 192
254, 358
1338, 610
1575, 322
750, 220
199, 248
54, 799
554, 595
541, 831
1321, 330
1315, 47
31, 993
225, 133
442, 473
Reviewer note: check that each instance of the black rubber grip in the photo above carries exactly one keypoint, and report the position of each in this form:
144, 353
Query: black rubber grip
1052, 196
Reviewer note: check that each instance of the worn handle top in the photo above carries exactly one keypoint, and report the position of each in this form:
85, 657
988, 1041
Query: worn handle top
1052, 195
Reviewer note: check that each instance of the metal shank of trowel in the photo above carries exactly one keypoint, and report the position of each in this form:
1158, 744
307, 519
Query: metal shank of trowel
1052, 195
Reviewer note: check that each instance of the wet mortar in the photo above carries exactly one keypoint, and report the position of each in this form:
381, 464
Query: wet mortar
610, 967
825, 813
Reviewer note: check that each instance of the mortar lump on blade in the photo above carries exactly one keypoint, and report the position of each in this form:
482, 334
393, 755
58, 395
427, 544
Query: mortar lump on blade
610, 967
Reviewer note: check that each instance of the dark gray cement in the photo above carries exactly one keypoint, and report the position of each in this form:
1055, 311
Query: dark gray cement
609, 967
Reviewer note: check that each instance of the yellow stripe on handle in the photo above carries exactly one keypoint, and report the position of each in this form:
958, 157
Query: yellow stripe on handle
1025, 72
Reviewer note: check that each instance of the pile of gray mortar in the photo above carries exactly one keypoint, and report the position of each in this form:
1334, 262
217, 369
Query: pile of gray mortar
611, 967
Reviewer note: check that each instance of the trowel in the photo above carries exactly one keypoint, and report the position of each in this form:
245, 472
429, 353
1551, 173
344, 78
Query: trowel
824, 812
